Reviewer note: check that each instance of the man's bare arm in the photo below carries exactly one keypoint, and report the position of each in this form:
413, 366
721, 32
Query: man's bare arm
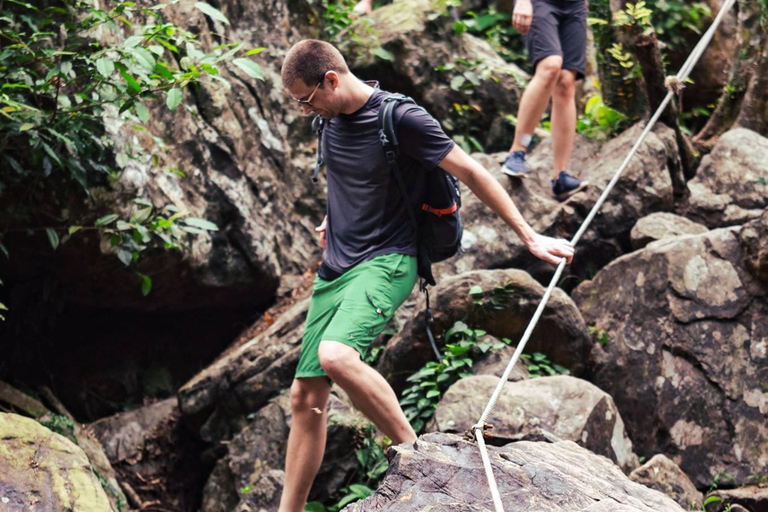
493, 195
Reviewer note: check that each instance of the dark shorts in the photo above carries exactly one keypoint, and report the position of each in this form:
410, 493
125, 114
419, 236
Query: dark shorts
559, 27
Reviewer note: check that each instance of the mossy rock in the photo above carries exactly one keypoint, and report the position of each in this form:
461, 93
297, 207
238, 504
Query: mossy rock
43, 471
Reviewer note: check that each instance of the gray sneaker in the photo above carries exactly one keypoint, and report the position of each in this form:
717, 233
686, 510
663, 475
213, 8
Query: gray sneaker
514, 165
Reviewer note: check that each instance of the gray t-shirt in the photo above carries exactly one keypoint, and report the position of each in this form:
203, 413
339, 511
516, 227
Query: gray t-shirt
366, 211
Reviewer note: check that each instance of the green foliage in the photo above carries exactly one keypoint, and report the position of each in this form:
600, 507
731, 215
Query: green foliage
495, 300
420, 400
60, 80
676, 21
633, 15
600, 121
496, 28
539, 365
60, 424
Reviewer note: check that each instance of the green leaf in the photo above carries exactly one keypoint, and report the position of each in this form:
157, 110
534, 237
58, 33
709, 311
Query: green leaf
144, 57
105, 67
212, 12
133, 86
4, 250
53, 237
126, 257
315, 506
255, 51
383, 54
174, 98
712, 499
26, 126
251, 68
457, 82
2, 306
142, 112
476, 290
107, 219
146, 284
200, 223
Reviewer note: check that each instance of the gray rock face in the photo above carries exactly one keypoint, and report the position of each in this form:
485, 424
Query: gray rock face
508, 300
648, 185
661, 225
731, 184
495, 362
662, 474
246, 152
255, 458
442, 472
754, 240
687, 355
419, 42
572, 409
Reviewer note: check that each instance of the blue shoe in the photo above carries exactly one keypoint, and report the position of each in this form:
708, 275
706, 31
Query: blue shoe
566, 185
514, 165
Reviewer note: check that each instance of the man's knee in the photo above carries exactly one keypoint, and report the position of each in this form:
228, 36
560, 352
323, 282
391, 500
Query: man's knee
566, 84
308, 394
336, 358
549, 68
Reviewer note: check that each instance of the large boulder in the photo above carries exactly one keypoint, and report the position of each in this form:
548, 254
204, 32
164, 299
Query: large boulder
661, 225
572, 409
43, 470
246, 154
502, 304
731, 184
458, 78
648, 185
750, 498
441, 472
685, 354
255, 458
662, 474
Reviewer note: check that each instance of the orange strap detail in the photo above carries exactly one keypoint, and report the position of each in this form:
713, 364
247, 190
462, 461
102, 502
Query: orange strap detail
440, 211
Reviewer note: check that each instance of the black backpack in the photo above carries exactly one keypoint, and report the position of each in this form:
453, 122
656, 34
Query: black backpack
437, 222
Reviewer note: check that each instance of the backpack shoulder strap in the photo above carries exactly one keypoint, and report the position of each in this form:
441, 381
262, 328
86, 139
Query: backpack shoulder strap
317, 127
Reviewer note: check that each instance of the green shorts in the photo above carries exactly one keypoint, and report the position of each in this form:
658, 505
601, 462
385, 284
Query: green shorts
354, 308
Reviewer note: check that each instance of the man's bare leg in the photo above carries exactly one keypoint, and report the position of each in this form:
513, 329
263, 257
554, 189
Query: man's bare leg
536, 98
306, 442
367, 389
563, 120
363, 7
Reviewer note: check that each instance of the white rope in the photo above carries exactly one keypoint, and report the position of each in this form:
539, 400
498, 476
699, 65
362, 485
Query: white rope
671, 84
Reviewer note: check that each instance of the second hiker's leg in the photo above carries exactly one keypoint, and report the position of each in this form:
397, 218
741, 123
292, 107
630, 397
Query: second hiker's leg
536, 98
306, 441
367, 389
563, 127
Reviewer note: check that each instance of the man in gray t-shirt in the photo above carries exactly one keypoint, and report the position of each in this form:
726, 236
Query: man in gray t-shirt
368, 266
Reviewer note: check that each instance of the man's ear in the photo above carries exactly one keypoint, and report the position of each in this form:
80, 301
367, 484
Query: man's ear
333, 79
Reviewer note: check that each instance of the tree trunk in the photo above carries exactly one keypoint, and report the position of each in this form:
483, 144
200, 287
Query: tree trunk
648, 53
621, 91
754, 108
741, 91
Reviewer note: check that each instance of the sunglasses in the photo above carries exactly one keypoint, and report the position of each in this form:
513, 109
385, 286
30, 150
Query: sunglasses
308, 101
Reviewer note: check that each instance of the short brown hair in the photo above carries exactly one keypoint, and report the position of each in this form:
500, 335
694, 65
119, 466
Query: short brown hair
310, 60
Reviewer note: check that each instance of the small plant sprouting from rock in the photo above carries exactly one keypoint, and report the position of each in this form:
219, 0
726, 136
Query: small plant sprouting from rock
598, 335
430, 383
539, 365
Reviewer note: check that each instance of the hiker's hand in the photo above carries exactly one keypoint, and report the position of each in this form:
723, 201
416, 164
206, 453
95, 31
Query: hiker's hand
362, 8
522, 16
321, 229
550, 249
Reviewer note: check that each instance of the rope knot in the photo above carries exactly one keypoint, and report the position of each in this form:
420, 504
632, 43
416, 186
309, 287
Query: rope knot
675, 84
